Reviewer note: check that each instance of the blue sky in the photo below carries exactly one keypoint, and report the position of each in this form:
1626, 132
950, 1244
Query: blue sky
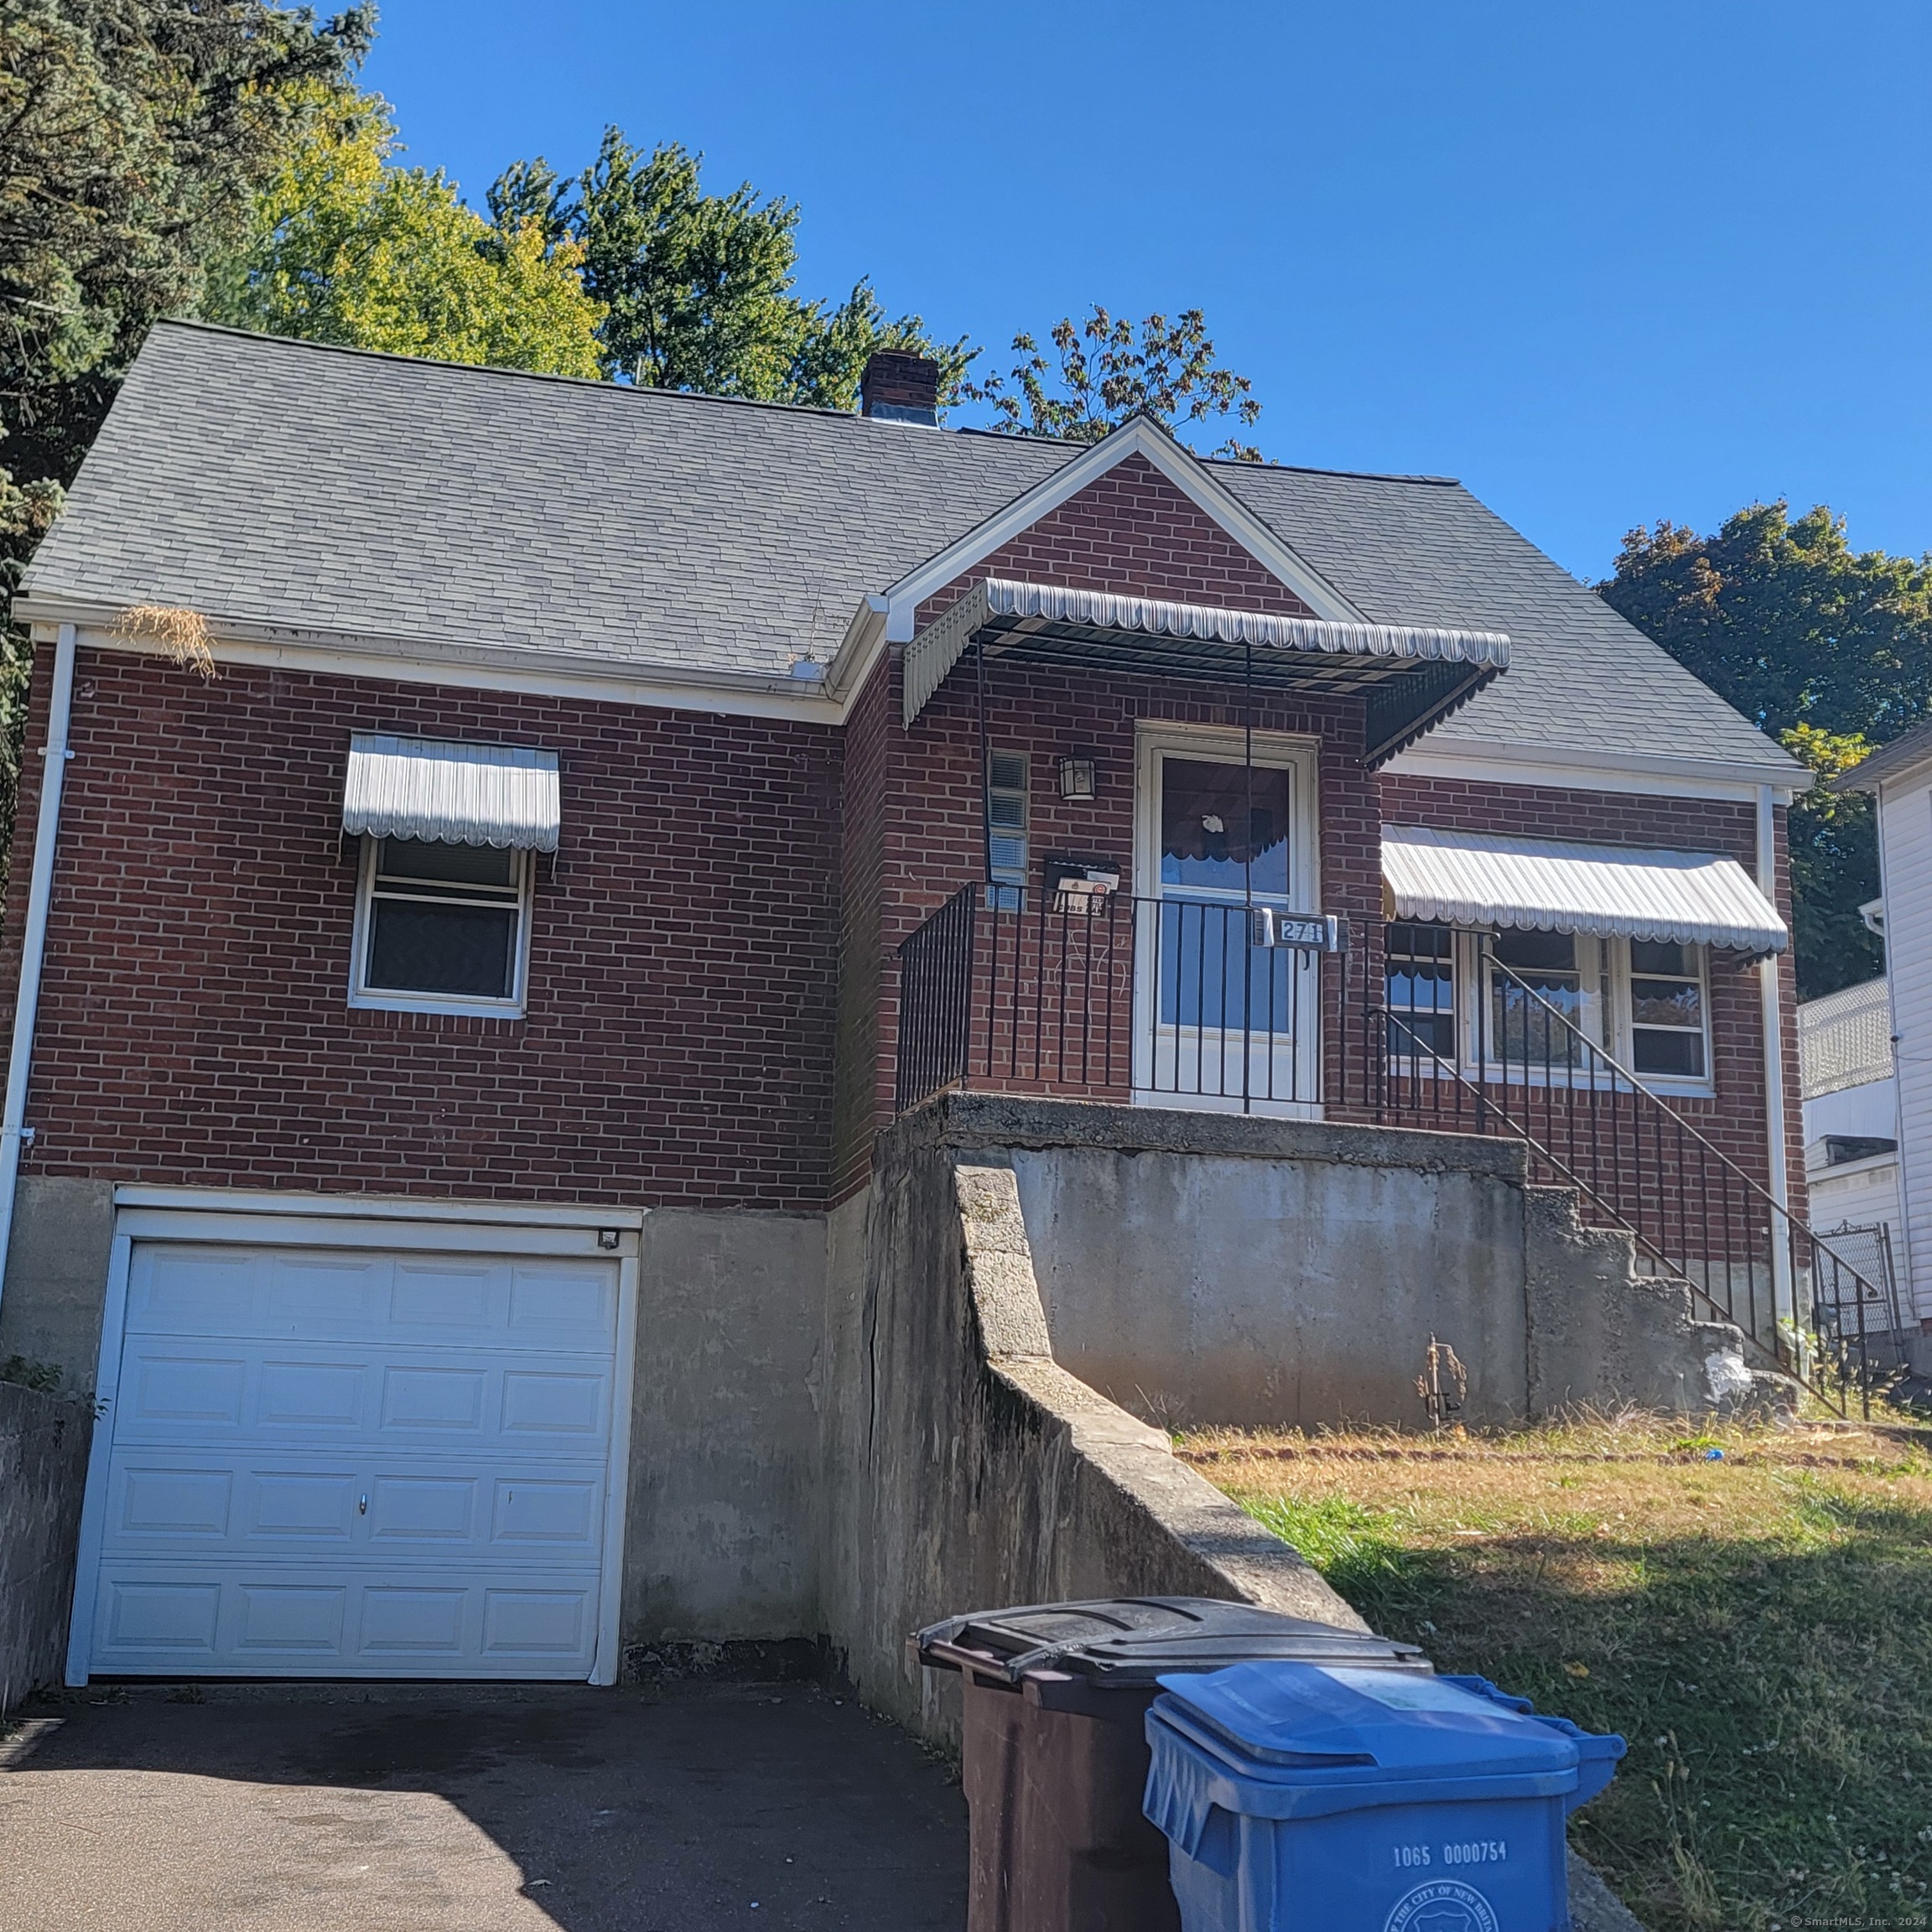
1605, 261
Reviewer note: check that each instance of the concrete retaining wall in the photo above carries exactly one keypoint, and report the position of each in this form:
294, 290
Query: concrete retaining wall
42, 1469
965, 1467
1207, 1269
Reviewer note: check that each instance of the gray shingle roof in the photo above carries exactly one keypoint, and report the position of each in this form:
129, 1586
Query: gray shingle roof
261, 481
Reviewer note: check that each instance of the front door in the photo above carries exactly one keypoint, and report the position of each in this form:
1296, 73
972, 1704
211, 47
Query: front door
1223, 1023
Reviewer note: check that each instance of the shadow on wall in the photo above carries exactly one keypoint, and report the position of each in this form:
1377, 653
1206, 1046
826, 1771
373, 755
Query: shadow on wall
44, 1439
966, 1468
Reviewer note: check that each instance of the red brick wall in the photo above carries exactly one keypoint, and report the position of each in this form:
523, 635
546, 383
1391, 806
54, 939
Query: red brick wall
1734, 1118
1132, 531
931, 841
916, 836
193, 1022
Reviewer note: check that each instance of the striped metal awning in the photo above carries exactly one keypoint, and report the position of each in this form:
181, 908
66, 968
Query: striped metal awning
500, 795
1474, 879
1413, 675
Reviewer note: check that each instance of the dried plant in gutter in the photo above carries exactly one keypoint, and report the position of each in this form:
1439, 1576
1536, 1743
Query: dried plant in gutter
181, 636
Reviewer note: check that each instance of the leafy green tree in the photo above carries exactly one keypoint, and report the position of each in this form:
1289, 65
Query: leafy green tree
351, 248
133, 136
1107, 369
1834, 867
1826, 648
697, 289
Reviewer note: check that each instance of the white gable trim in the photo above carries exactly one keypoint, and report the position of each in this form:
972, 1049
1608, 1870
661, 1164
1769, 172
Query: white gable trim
1137, 436
1603, 768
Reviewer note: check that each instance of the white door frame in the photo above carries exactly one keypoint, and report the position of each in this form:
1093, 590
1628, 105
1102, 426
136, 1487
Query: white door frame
1300, 758
264, 1219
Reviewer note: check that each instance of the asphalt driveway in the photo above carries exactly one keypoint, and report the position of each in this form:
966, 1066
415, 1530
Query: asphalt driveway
680, 1809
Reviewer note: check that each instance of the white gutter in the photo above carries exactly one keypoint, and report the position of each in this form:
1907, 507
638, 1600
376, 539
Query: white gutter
13, 1130
1770, 1001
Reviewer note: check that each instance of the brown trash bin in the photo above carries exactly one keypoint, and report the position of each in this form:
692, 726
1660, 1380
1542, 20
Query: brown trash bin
1054, 1757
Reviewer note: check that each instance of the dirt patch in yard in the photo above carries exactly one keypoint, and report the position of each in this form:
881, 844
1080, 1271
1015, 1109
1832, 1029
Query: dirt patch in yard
1751, 1607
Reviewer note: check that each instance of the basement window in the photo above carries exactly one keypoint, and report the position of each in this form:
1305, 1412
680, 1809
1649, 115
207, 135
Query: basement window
442, 928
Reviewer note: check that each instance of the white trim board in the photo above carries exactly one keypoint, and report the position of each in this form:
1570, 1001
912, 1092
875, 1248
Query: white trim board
381, 1206
346, 1231
415, 662
1643, 773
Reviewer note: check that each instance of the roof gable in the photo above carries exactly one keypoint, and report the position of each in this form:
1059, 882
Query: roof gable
1151, 457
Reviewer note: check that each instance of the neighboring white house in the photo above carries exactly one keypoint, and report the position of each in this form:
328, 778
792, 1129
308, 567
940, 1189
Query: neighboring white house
1899, 776
1846, 1073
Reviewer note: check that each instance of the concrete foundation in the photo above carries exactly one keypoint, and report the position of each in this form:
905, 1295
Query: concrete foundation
57, 1274
939, 1396
965, 1467
721, 1540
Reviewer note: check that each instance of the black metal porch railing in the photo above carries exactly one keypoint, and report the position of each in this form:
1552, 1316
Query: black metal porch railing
1168, 1002
1526, 1071
1153, 998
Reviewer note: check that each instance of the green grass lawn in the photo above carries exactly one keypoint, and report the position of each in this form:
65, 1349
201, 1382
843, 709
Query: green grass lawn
1758, 1627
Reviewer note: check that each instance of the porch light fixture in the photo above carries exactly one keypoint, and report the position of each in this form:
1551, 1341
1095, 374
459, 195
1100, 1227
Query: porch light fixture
1076, 777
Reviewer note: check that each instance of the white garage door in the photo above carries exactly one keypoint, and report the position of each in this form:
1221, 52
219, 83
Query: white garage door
340, 1462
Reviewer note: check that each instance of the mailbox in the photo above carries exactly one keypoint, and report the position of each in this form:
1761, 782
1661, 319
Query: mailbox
1082, 886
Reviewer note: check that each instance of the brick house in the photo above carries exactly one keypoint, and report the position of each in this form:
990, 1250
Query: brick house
451, 1026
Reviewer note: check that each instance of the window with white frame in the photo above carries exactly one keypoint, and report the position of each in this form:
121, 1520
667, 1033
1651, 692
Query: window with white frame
1669, 1022
1646, 1002
443, 928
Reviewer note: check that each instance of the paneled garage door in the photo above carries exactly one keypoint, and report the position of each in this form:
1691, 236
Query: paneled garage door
341, 1463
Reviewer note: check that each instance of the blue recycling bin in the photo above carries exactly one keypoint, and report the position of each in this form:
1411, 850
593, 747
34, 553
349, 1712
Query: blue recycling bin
1312, 1798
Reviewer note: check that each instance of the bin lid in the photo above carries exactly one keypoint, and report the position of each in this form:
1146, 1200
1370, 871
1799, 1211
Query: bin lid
1279, 1722
1126, 1640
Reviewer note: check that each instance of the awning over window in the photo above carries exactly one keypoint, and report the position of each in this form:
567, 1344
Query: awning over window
1471, 879
1412, 675
449, 794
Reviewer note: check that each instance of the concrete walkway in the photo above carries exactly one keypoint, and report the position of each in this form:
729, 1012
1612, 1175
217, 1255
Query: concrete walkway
412, 1809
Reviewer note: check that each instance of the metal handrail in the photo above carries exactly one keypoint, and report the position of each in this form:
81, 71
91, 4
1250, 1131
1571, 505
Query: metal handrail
1509, 1101
1016, 992
1123, 995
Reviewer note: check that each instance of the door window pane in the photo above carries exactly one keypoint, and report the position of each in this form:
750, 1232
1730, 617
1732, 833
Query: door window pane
1213, 817
1006, 813
1212, 975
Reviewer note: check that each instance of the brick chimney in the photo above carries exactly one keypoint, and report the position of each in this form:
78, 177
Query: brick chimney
899, 387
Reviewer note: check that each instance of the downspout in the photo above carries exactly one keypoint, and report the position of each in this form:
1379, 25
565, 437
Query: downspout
1770, 1001
1903, 1190
14, 1128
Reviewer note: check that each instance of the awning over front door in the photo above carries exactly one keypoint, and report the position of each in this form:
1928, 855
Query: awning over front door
1412, 675
1474, 879
449, 794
